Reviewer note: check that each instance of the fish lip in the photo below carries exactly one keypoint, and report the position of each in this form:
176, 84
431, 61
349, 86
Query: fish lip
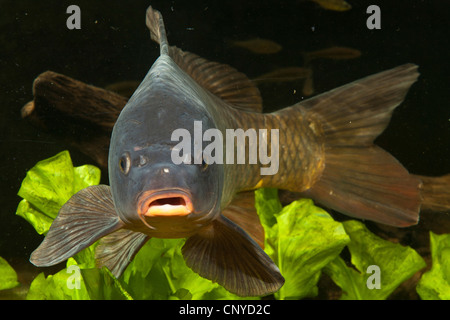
147, 198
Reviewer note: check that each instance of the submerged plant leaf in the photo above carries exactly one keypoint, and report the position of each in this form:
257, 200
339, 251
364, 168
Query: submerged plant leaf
36, 218
48, 185
102, 285
76, 283
435, 283
8, 276
60, 286
381, 266
303, 239
267, 206
144, 278
159, 271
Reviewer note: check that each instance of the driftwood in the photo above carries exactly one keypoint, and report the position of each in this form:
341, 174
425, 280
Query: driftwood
81, 114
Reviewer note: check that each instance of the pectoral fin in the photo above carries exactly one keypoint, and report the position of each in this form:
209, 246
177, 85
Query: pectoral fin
116, 250
242, 212
225, 254
86, 217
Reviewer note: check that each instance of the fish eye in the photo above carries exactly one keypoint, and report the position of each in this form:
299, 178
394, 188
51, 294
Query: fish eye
125, 163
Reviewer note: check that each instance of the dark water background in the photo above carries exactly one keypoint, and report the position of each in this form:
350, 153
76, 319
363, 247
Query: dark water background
113, 45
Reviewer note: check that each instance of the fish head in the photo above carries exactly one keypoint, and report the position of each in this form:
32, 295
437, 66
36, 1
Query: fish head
149, 189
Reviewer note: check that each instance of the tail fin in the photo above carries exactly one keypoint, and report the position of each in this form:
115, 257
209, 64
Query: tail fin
435, 193
360, 179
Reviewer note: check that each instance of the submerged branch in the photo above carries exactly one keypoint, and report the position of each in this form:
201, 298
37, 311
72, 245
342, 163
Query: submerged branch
80, 114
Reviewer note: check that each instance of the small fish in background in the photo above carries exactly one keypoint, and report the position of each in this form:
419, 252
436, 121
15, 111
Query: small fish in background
289, 74
326, 154
259, 45
334, 5
308, 86
285, 74
333, 53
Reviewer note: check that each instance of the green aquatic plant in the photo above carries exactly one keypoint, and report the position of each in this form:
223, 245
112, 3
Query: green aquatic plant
48, 185
302, 239
380, 266
8, 277
435, 283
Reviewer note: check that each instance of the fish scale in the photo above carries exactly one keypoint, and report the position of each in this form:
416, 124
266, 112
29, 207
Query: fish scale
297, 170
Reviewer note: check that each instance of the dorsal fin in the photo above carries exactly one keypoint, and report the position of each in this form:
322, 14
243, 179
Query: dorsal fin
155, 23
220, 79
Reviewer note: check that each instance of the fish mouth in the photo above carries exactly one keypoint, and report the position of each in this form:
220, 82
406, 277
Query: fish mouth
165, 203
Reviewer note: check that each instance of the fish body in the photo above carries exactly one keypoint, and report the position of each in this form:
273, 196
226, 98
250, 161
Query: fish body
334, 53
325, 151
285, 74
139, 144
334, 5
259, 46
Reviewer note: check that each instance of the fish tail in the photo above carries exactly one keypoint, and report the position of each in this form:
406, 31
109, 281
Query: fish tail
435, 192
360, 179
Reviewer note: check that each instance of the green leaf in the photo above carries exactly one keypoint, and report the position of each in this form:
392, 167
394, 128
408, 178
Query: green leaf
75, 283
85, 176
348, 279
144, 277
45, 189
378, 263
48, 185
36, 218
8, 277
102, 285
303, 239
159, 271
267, 205
435, 283
60, 286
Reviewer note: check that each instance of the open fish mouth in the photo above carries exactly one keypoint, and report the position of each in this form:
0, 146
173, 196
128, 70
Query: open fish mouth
165, 203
